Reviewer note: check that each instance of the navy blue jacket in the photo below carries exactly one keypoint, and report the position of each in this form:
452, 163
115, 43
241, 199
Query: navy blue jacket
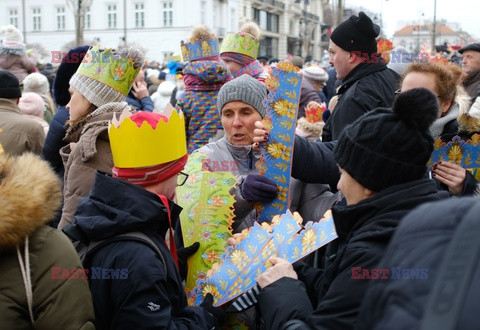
314, 162
420, 242
54, 140
368, 86
145, 104
151, 297
330, 298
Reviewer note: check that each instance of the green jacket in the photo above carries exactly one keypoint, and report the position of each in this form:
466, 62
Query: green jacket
29, 196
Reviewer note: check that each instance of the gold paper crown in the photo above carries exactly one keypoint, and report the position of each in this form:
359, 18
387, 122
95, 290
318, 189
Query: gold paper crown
197, 50
145, 146
241, 43
112, 69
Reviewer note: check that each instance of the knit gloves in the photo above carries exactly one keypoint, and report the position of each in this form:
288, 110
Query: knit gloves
257, 188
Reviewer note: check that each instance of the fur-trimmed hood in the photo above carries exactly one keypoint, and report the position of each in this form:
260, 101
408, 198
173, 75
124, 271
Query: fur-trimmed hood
469, 120
30, 194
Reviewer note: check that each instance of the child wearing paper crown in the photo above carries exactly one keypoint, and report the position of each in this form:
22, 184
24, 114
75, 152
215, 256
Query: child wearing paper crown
98, 89
239, 52
149, 154
204, 75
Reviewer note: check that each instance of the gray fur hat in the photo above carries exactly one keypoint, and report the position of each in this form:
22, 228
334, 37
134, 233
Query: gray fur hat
246, 89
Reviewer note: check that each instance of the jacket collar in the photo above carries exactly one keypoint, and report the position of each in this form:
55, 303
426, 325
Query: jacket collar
9, 105
350, 218
115, 206
241, 152
360, 71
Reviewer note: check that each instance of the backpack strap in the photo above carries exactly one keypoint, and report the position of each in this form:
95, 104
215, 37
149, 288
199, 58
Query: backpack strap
137, 236
455, 274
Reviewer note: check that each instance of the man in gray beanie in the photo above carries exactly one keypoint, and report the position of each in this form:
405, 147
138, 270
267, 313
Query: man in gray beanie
367, 83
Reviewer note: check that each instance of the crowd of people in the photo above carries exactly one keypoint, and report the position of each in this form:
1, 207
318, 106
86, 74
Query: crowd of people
90, 161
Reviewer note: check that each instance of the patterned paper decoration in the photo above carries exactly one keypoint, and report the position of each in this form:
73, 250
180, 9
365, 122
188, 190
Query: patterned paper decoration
242, 263
464, 153
206, 218
282, 107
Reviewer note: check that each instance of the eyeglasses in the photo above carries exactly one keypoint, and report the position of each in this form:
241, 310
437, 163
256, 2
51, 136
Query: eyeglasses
181, 179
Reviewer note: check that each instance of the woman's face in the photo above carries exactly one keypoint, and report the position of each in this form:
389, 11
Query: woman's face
78, 105
353, 191
424, 80
238, 121
232, 66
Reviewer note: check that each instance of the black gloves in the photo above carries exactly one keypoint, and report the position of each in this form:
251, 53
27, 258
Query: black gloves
183, 254
257, 188
216, 312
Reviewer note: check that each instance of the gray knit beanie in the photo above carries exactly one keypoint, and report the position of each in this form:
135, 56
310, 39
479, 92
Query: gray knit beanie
98, 92
246, 89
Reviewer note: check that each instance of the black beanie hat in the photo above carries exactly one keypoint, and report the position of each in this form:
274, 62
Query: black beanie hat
9, 86
357, 33
65, 71
387, 147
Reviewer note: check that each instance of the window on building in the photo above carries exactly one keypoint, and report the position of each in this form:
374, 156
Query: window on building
267, 21
139, 15
60, 18
88, 20
13, 13
112, 16
269, 46
37, 19
168, 13
203, 9
232, 19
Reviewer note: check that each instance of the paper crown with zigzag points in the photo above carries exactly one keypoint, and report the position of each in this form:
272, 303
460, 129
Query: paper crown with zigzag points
241, 43
149, 144
206, 47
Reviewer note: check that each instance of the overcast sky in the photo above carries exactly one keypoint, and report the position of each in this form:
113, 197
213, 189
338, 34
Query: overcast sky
464, 12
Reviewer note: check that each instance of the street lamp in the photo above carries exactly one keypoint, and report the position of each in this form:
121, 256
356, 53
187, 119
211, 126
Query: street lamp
434, 32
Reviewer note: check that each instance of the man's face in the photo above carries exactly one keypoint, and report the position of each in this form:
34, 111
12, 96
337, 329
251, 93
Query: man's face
471, 61
339, 58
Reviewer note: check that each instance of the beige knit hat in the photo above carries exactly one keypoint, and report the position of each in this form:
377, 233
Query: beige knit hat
106, 76
36, 83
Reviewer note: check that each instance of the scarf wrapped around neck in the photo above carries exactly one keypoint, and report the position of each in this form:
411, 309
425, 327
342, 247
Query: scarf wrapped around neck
205, 76
253, 69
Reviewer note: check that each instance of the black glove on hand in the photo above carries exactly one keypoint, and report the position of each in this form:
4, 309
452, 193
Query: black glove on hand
257, 188
217, 312
183, 254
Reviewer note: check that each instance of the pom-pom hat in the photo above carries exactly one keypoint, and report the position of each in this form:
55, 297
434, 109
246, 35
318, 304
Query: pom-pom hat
387, 147
358, 33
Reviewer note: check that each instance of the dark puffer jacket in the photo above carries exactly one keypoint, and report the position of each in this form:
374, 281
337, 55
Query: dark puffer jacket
151, 296
331, 298
420, 242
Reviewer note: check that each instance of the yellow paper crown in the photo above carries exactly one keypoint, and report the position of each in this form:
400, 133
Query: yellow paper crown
112, 69
145, 146
241, 43
197, 50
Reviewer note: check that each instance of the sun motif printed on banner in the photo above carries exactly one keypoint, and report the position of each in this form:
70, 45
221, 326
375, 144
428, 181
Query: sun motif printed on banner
281, 106
464, 153
284, 236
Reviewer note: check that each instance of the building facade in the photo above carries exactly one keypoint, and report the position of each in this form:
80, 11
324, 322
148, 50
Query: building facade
414, 37
158, 26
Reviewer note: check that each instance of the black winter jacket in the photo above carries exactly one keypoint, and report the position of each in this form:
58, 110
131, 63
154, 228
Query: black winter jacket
54, 140
331, 298
368, 86
151, 297
420, 242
